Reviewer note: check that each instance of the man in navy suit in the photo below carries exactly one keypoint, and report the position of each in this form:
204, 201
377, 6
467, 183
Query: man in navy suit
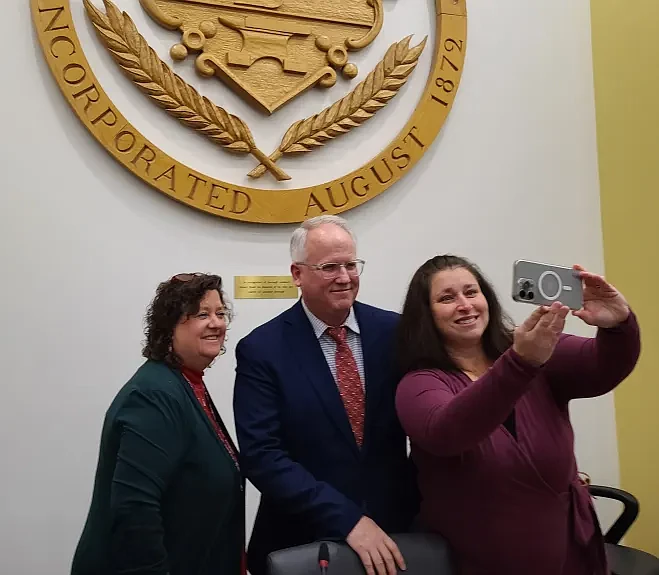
315, 415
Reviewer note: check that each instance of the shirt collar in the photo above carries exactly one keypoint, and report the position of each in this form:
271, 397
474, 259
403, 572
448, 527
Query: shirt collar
320, 327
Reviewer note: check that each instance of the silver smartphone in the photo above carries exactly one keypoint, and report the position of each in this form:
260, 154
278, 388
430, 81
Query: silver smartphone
543, 284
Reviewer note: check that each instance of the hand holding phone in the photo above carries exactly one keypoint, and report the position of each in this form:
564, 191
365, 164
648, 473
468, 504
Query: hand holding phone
604, 306
535, 340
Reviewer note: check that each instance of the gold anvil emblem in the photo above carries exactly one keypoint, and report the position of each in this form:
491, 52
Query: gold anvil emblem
270, 51
262, 40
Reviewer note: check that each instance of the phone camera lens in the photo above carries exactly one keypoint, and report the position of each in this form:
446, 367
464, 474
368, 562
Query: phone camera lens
526, 285
531, 295
522, 294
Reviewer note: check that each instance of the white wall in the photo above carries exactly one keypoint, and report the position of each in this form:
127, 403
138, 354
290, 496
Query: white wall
84, 243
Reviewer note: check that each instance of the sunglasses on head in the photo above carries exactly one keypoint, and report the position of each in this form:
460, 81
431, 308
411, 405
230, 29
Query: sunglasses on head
186, 277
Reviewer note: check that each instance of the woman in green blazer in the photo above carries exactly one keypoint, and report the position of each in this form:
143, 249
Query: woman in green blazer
168, 496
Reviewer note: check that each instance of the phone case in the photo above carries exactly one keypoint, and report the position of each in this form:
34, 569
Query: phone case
543, 284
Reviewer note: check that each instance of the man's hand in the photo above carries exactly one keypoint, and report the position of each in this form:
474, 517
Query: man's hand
375, 548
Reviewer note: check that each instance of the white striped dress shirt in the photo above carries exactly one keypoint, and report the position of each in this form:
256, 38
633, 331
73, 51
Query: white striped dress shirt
328, 345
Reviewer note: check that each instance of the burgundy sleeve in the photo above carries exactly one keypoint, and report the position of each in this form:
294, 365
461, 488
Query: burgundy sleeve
447, 423
587, 367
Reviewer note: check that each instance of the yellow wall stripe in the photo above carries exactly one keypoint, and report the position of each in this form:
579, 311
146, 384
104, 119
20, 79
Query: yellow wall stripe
626, 68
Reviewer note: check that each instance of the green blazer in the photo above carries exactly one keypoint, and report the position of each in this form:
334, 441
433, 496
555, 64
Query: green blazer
168, 498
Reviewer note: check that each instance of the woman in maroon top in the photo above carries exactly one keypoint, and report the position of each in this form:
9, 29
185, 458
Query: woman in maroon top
486, 410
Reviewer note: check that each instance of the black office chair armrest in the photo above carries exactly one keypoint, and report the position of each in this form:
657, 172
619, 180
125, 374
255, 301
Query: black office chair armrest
628, 515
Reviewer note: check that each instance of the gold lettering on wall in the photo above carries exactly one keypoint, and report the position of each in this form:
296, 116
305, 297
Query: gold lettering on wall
146, 160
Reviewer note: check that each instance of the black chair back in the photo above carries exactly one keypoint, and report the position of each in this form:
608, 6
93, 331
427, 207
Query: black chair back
624, 560
424, 554
626, 518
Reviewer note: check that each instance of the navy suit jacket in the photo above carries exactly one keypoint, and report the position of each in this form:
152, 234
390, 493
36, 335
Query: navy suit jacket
296, 443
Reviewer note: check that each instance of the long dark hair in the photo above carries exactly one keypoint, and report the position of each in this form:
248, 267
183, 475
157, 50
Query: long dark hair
420, 344
178, 297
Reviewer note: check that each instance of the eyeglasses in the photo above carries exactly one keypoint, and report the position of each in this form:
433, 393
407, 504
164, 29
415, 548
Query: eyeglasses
331, 269
186, 277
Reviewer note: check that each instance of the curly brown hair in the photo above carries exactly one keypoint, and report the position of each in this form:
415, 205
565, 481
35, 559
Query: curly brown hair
177, 297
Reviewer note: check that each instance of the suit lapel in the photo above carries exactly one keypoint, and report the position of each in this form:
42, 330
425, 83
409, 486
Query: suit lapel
372, 365
307, 352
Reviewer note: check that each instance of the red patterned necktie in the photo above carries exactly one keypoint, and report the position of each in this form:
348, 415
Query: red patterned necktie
349, 382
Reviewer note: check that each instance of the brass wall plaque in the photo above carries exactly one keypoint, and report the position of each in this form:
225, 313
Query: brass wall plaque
270, 51
264, 287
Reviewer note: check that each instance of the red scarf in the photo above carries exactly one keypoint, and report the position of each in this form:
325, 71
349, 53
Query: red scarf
195, 379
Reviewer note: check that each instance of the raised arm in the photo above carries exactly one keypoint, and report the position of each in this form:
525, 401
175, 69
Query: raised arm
588, 367
447, 422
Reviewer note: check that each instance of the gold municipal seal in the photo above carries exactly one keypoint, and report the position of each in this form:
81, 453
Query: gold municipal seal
269, 52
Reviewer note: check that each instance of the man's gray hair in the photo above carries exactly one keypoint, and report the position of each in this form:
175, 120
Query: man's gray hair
299, 237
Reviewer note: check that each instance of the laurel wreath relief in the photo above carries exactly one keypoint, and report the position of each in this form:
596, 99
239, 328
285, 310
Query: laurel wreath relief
169, 91
153, 77
370, 95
